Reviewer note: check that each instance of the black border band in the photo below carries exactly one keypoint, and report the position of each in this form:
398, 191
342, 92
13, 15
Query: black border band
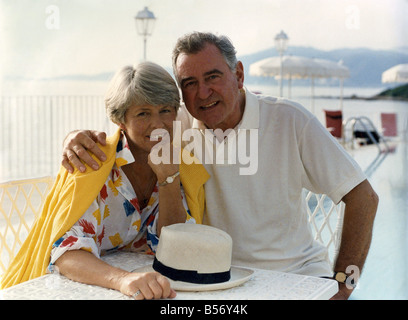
189, 275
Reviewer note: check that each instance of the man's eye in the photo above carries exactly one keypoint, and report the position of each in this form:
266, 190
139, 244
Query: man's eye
189, 84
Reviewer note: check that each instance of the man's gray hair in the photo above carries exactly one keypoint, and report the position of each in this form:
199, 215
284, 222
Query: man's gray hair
145, 84
194, 42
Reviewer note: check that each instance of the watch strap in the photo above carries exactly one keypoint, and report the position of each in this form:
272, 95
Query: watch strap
169, 179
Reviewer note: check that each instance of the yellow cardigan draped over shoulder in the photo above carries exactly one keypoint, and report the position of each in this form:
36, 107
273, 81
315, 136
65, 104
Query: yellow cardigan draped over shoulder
70, 196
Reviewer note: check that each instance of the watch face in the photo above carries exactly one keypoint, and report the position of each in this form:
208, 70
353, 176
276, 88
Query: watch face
169, 179
341, 277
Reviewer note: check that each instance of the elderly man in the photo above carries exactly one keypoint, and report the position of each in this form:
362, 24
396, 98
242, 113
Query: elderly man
263, 210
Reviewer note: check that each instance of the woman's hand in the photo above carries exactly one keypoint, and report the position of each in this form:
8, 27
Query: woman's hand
151, 285
162, 163
83, 266
161, 159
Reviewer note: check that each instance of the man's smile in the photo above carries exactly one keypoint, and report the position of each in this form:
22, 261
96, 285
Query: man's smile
208, 106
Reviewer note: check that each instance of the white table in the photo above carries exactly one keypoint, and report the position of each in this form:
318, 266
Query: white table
264, 285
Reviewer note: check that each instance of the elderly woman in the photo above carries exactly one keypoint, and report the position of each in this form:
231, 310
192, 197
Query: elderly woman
123, 205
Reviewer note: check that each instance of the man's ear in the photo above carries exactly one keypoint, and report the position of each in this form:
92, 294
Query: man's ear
239, 72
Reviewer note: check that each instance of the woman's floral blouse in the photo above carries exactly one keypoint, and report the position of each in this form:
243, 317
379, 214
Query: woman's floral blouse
114, 220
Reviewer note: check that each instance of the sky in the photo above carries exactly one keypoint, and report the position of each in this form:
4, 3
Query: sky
50, 38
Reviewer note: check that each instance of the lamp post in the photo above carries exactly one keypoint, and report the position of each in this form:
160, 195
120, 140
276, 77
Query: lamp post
144, 24
281, 41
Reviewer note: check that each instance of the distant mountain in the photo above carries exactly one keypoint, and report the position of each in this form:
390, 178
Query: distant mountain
403, 49
366, 65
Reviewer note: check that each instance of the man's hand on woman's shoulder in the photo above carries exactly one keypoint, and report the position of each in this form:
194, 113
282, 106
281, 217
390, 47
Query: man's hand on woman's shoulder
78, 147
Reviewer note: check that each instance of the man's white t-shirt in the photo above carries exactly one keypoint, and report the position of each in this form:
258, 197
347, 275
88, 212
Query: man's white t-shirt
258, 174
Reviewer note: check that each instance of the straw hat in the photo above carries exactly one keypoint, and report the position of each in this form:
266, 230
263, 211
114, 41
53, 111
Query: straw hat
196, 257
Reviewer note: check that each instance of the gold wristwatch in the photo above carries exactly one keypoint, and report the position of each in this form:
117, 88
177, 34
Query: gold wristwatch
342, 277
169, 179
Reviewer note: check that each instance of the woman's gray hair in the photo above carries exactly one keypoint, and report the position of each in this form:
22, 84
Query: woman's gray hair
194, 42
145, 84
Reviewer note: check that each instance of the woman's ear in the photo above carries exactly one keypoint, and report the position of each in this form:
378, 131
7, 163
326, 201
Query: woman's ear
122, 126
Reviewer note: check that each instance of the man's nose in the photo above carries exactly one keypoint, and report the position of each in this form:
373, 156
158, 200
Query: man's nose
204, 91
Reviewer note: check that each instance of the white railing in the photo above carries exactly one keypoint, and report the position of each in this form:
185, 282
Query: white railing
326, 220
33, 128
20, 204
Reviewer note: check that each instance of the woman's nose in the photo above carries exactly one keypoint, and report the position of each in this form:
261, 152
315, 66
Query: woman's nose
156, 122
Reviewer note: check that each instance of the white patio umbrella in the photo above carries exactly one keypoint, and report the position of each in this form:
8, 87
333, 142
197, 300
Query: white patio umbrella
293, 67
398, 73
299, 67
335, 70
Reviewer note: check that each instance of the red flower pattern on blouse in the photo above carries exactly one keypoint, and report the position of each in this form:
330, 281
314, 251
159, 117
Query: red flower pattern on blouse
104, 193
68, 242
87, 226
